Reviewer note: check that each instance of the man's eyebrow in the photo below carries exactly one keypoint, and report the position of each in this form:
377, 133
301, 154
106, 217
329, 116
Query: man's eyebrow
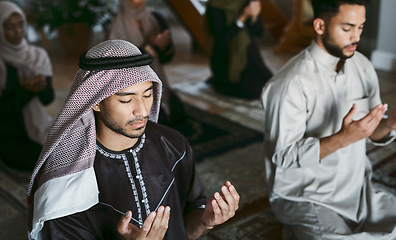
348, 24
351, 24
132, 93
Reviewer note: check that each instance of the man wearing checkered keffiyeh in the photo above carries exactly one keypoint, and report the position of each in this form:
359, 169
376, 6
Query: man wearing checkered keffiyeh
109, 171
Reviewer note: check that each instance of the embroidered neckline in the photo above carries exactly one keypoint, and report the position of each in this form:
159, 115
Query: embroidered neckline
135, 147
139, 176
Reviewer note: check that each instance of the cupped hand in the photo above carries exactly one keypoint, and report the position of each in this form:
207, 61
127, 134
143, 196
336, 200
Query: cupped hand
154, 227
353, 131
221, 206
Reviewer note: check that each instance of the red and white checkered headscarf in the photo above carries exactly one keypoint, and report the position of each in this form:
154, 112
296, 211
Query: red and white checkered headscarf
63, 181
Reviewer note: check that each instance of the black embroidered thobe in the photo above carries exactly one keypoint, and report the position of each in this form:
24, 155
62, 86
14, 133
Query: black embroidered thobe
158, 171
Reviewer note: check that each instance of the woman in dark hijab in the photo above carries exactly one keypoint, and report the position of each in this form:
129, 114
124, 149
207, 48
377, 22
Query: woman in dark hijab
237, 66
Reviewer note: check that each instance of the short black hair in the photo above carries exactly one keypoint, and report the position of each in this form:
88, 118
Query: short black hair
330, 8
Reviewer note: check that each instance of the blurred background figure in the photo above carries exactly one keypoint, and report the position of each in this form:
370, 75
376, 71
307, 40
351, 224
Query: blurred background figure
237, 66
150, 32
25, 87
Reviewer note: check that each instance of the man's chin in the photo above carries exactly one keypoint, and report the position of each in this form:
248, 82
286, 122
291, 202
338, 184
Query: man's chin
137, 133
349, 55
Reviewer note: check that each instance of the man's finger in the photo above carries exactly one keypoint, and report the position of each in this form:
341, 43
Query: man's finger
216, 208
158, 225
147, 225
221, 203
158, 218
235, 196
348, 117
122, 225
375, 115
164, 223
229, 199
165, 218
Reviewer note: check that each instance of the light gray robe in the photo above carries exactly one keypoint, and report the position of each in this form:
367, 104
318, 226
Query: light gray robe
307, 100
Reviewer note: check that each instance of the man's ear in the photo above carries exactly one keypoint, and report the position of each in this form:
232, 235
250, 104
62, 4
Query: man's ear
96, 108
319, 26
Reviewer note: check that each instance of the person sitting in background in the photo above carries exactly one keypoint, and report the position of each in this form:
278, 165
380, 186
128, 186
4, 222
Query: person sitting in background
25, 87
235, 60
109, 171
320, 109
150, 32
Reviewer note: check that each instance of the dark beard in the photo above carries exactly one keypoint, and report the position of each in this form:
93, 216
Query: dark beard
112, 125
333, 49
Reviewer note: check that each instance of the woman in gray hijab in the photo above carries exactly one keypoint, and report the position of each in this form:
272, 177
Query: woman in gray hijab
25, 87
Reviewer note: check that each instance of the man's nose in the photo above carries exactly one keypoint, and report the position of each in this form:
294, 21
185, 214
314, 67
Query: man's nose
140, 109
356, 36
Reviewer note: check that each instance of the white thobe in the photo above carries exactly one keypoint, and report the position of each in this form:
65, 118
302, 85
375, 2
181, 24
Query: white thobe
305, 101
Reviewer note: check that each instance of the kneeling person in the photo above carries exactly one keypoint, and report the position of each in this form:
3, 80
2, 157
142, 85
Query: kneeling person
108, 172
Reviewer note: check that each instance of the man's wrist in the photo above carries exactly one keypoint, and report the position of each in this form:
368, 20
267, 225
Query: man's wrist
206, 226
340, 141
390, 128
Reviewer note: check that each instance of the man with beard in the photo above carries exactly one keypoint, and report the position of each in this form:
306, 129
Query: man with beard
109, 171
319, 110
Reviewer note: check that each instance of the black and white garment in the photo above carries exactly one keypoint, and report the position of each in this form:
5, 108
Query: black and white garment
158, 171
64, 181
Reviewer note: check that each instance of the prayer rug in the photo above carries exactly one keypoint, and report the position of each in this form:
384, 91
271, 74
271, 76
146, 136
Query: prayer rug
254, 221
210, 134
247, 113
244, 167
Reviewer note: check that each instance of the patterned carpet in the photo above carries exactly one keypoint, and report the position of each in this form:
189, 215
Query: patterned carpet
254, 221
210, 134
247, 113
245, 169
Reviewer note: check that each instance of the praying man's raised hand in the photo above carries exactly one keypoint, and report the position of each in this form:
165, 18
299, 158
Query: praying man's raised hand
154, 227
221, 206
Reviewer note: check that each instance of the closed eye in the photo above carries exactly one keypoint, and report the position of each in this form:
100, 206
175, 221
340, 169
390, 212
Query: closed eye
126, 101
